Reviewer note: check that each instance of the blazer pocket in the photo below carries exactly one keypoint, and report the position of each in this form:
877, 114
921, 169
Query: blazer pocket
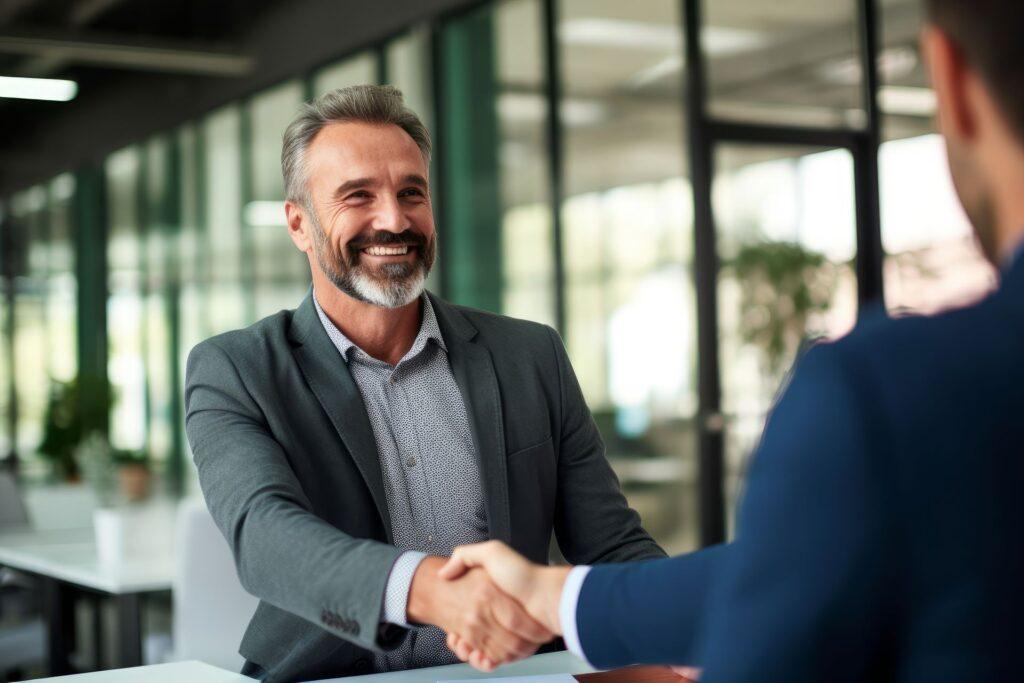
532, 483
529, 449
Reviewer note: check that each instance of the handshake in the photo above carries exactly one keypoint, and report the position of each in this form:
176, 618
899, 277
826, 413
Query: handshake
495, 605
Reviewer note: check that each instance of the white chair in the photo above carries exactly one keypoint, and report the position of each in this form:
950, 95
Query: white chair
211, 609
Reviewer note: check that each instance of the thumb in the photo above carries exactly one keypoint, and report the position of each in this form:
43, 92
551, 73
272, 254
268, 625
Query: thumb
462, 560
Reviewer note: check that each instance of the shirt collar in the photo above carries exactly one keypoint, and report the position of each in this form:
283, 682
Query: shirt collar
429, 331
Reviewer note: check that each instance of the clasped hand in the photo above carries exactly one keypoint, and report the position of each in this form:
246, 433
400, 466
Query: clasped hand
522, 602
486, 624
536, 591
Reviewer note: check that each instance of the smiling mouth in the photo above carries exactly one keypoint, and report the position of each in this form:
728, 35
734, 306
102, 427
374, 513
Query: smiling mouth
386, 251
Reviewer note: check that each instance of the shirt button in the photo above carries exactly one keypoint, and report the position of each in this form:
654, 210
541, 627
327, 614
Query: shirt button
411, 462
430, 538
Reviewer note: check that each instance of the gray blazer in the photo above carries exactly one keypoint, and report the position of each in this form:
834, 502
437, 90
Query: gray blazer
288, 464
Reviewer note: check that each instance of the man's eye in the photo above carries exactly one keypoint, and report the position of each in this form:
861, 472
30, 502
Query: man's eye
412, 192
361, 194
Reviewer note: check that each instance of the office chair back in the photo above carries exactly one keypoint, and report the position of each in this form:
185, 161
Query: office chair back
211, 609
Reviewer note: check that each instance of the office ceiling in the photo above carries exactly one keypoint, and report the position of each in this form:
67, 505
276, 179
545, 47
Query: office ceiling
793, 62
144, 65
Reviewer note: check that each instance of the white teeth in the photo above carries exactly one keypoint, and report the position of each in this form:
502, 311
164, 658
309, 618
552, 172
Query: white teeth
387, 251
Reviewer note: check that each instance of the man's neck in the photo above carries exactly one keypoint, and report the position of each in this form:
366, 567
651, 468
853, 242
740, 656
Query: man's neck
387, 334
1007, 178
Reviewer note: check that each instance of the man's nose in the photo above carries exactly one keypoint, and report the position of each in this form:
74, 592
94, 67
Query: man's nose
390, 217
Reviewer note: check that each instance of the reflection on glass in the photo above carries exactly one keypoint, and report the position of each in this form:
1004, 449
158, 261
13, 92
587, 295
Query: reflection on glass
222, 170
631, 320
126, 363
280, 270
192, 269
527, 254
62, 289
408, 69
782, 62
31, 371
904, 96
932, 262
356, 70
6, 386
159, 259
496, 239
787, 243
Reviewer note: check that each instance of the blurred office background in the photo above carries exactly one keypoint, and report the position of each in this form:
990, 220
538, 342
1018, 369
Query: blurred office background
689, 192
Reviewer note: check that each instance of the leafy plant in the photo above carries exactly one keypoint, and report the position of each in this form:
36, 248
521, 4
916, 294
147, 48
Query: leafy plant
782, 286
73, 411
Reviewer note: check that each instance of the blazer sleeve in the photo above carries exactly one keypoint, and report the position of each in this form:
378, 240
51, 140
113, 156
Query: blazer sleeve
649, 612
808, 592
593, 522
285, 555
802, 593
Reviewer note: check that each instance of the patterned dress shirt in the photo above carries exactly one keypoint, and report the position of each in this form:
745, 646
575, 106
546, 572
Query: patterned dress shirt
430, 468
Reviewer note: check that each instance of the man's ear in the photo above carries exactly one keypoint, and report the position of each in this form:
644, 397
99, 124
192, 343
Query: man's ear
299, 226
950, 76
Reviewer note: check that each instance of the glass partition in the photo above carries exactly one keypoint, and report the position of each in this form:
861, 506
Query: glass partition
126, 304
229, 306
526, 249
280, 271
62, 287
356, 70
31, 370
793, 63
495, 231
786, 246
160, 261
932, 261
627, 249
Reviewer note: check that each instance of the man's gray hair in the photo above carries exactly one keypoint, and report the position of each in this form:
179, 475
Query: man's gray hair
376, 104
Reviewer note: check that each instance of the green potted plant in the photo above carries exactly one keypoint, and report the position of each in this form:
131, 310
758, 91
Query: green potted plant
74, 410
783, 285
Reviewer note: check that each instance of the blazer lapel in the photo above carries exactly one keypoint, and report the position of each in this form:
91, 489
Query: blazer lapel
473, 369
332, 383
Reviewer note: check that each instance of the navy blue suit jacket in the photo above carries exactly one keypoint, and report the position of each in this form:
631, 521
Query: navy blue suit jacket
881, 535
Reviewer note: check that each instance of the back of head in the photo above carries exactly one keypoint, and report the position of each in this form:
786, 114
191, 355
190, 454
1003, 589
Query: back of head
988, 33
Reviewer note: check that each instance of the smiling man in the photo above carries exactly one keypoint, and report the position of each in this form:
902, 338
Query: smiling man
346, 447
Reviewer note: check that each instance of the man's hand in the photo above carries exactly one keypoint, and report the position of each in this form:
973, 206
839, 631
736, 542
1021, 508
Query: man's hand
537, 588
492, 627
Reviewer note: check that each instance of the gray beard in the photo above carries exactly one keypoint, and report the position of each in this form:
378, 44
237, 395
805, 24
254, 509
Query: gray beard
402, 284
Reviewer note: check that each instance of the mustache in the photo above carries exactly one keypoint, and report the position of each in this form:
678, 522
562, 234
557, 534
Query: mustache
385, 238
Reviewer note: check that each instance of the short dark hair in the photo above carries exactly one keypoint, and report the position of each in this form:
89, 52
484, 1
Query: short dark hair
988, 32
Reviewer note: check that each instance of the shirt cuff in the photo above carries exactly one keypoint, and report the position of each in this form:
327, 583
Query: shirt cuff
567, 610
396, 595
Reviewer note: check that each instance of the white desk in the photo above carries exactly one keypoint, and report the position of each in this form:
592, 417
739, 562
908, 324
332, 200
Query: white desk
69, 555
551, 663
178, 672
66, 564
